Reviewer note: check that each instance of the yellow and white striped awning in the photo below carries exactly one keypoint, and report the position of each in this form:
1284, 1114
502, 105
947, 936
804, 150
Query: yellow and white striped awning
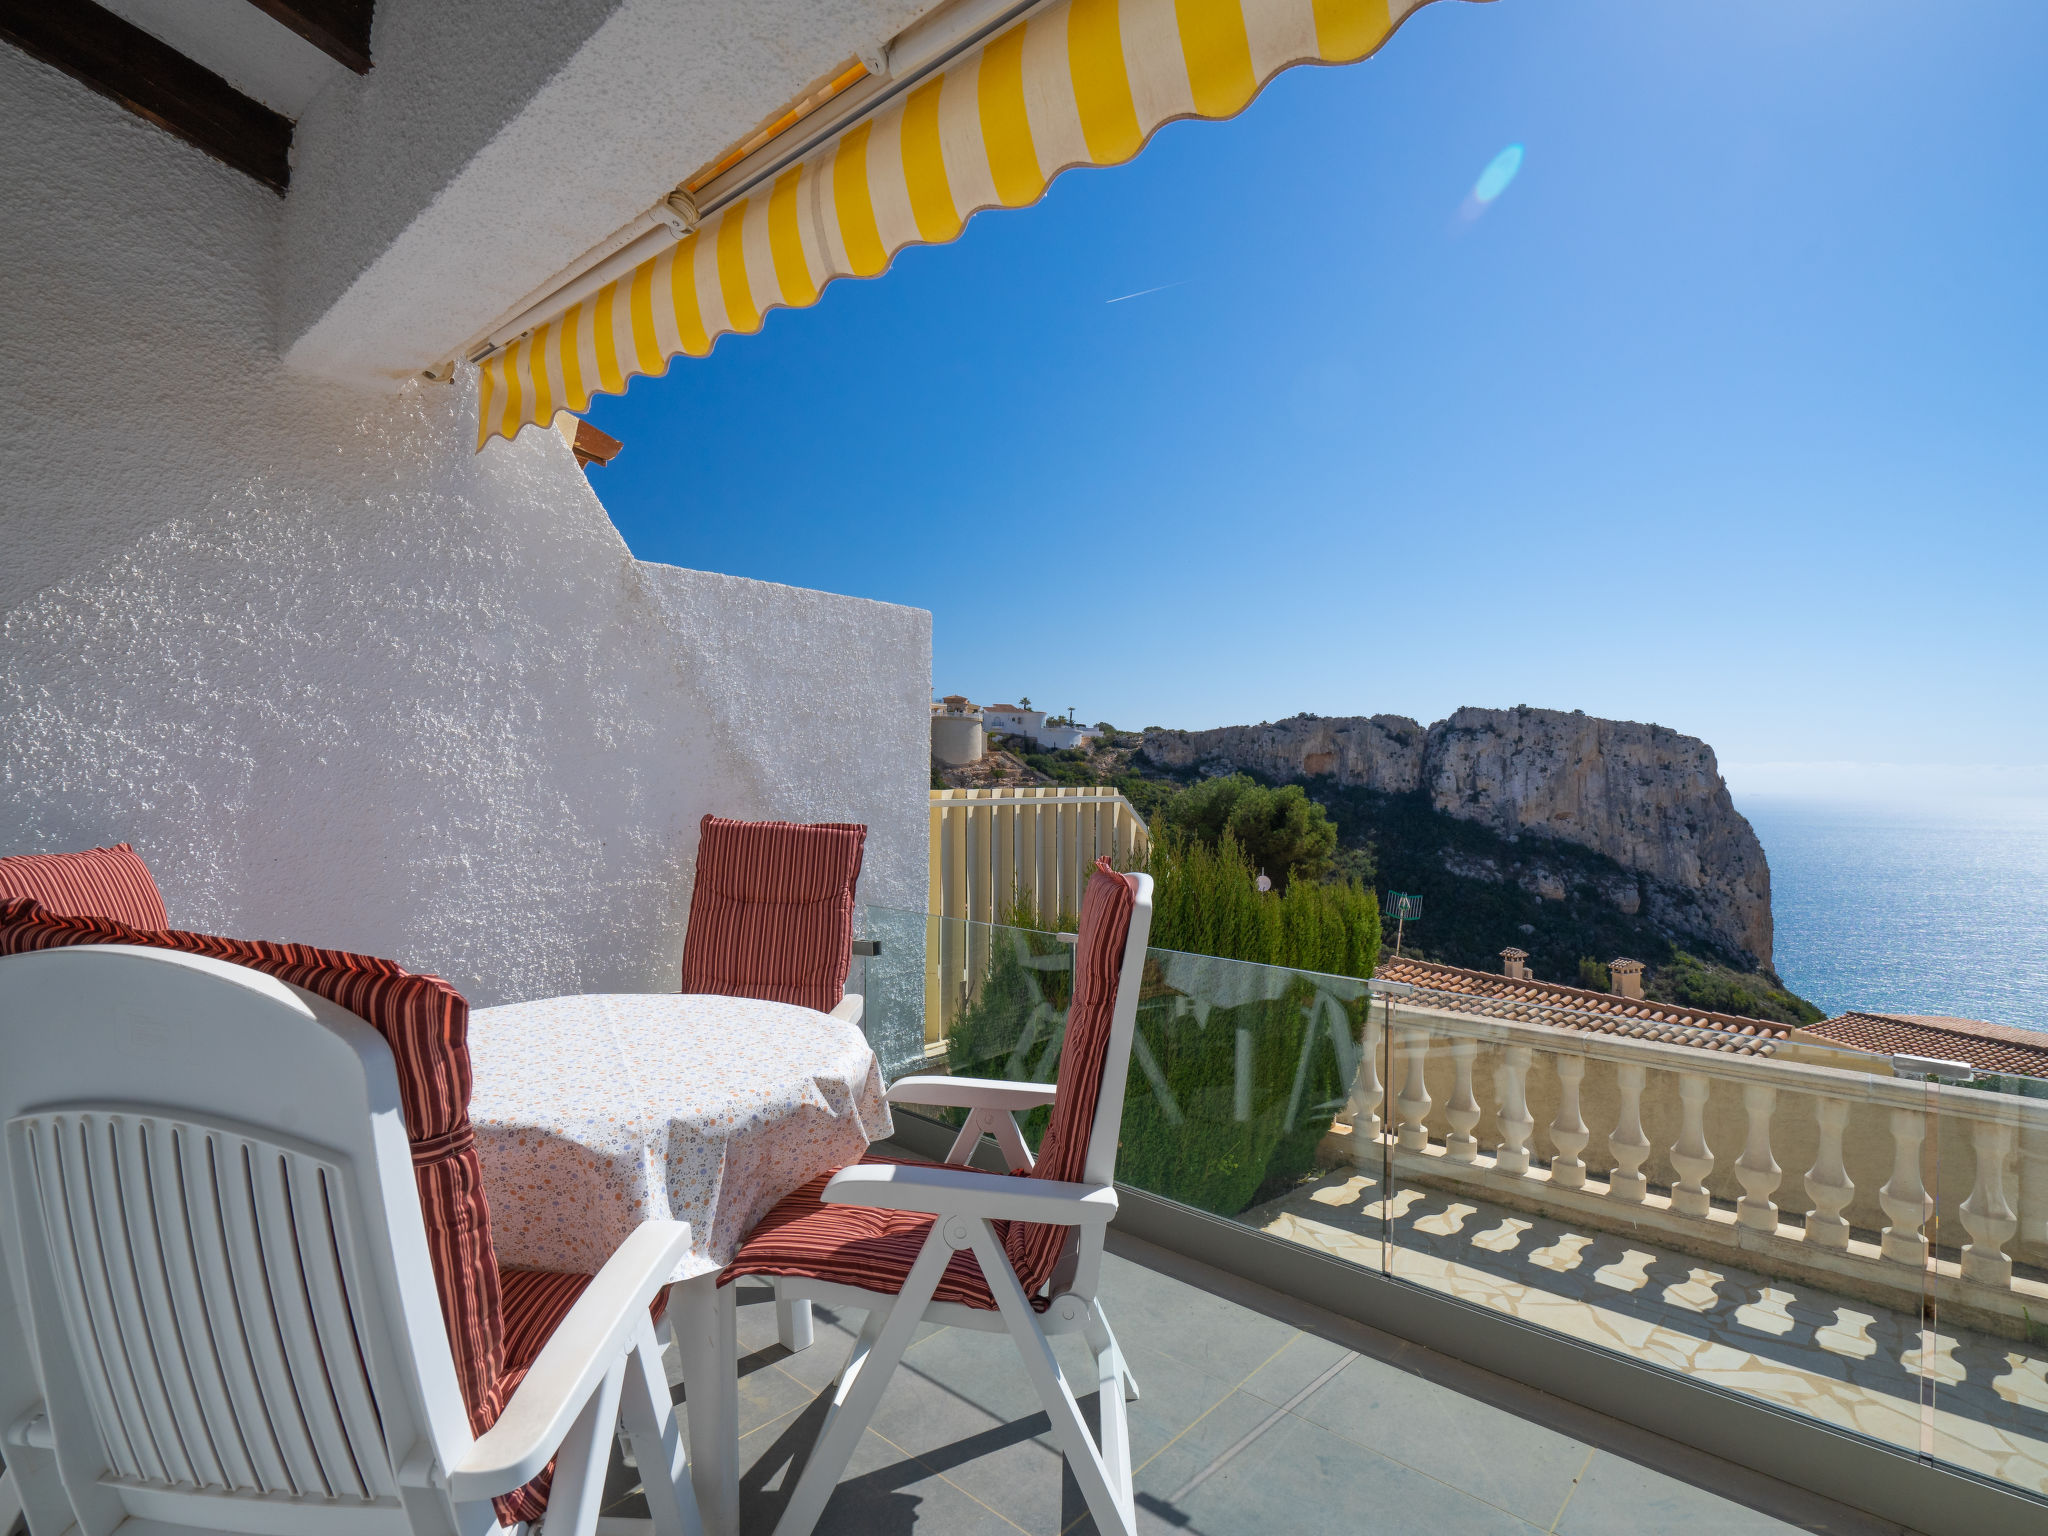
1076, 82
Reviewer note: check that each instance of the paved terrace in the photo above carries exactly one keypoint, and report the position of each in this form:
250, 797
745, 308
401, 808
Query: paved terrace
1259, 1415
1967, 1397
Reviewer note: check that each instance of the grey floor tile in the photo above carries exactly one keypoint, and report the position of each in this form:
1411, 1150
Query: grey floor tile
1494, 1455
1300, 1477
1616, 1497
1163, 1314
885, 1492
1300, 1363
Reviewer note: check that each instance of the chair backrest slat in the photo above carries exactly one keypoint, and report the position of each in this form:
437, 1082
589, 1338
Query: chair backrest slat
164, 1404
206, 1185
172, 1159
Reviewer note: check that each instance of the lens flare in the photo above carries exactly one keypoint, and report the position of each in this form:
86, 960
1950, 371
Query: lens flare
1498, 176
1495, 178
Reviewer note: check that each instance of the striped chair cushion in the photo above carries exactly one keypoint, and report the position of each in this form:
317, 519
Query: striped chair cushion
426, 1023
874, 1249
772, 913
112, 883
536, 1301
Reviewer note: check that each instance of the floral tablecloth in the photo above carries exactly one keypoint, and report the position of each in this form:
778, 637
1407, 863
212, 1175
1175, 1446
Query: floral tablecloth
595, 1113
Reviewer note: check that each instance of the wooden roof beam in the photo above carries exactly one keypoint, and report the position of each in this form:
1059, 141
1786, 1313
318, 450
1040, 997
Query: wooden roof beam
153, 80
338, 28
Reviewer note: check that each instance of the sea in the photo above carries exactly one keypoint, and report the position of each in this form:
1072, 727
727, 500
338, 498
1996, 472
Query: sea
1911, 908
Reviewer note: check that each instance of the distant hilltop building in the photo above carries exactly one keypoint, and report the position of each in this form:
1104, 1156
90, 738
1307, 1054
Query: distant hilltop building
958, 736
1006, 719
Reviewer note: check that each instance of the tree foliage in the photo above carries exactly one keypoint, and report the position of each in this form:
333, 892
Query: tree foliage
1281, 831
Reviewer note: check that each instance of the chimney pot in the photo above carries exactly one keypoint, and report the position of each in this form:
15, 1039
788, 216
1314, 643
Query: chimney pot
1628, 978
1514, 964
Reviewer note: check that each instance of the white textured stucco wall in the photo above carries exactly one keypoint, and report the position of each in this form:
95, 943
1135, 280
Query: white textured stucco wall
338, 678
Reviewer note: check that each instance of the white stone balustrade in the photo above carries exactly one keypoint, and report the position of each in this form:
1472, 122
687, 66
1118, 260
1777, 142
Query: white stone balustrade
1462, 1112
1367, 1090
1828, 1184
1904, 1197
1757, 1170
1821, 1106
1628, 1146
1514, 1119
1568, 1133
1988, 1215
1411, 1103
1691, 1157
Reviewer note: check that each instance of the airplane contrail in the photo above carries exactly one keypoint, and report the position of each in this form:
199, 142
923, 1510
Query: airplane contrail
1143, 291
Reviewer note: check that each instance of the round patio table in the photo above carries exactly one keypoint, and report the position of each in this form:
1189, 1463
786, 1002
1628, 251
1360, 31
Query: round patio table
596, 1113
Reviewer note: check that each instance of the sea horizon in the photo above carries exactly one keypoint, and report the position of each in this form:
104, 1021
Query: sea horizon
1936, 906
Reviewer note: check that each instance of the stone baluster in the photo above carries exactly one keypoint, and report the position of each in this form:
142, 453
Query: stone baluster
1462, 1110
1628, 1146
1568, 1133
1828, 1184
1691, 1158
1757, 1168
1366, 1093
1904, 1197
1511, 1089
1412, 1102
1988, 1214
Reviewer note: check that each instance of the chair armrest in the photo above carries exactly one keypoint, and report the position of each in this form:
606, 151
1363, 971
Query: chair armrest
970, 1092
849, 1008
572, 1363
944, 1190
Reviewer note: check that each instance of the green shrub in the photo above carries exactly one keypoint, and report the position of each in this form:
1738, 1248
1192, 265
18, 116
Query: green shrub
1594, 975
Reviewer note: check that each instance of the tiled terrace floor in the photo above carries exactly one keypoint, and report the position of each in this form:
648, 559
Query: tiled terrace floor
1259, 1415
1966, 1397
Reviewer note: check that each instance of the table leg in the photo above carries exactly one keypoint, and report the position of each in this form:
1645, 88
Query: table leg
706, 1330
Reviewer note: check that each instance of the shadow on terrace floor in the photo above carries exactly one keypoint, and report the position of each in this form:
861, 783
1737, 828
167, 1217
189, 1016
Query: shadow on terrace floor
1259, 1415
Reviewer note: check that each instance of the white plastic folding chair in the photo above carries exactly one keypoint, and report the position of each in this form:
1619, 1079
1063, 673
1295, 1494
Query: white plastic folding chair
220, 1312
967, 1205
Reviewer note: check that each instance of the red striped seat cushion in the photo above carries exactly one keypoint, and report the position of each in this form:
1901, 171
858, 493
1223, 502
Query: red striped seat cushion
426, 1023
536, 1301
874, 1249
112, 883
771, 916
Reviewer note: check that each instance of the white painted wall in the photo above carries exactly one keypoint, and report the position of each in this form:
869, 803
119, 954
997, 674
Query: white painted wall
339, 679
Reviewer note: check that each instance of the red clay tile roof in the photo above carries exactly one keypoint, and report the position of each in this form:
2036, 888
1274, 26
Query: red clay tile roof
1987, 1047
1544, 1002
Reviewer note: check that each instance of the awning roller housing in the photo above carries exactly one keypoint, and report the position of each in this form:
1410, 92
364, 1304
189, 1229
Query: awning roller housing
1077, 82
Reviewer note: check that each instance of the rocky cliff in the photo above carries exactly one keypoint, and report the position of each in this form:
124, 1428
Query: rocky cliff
1643, 795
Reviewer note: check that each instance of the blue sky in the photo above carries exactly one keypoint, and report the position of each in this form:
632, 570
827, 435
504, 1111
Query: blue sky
1730, 412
